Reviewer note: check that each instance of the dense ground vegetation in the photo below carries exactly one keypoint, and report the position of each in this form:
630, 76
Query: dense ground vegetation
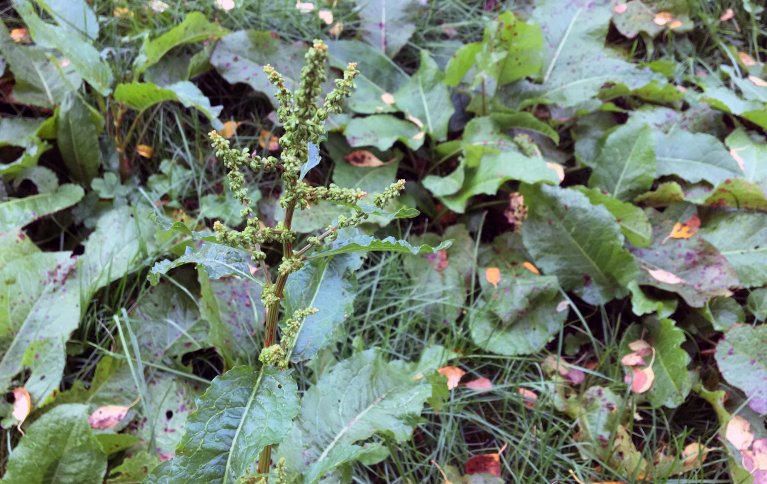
572, 286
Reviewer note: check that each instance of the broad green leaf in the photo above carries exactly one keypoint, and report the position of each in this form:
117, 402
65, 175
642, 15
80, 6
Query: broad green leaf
387, 24
233, 308
461, 62
59, 447
224, 207
723, 313
635, 19
39, 80
369, 179
142, 95
217, 260
326, 286
134, 469
520, 314
382, 131
598, 416
426, 97
378, 75
578, 242
626, 164
524, 120
18, 212
354, 241
441, 186
673, 381
242, 55
194, 28
356, 400
167, 324
113, 443
442, 276
21, 132
576, 63
694, 157
83, 57
241, 412
123, 242
665, 194
78, 140
642, 304
751, 150
757, 304
40, 297
742, 361
703, 272
742, 239
633, 221
74, 15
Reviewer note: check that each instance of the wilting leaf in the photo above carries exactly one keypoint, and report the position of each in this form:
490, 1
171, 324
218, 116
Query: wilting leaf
742, 239
387, 24
78, 140
375, 396
143, 95
742, 361
194, 28
60, 441
626, 164
18, 212
108, 416
578, 242
453, 375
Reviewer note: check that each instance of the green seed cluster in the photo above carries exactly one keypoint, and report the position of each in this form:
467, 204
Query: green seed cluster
279, 354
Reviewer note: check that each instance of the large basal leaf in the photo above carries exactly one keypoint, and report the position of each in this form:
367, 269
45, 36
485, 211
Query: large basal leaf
752, 153
742, 239
578, 242
74, 15
19, 212
83, 57
626, 164
195, 28
357, 399
634, 223
741, 359
142, 95
217, 260
78, 140
576, 62
325, 286
59, 447
519, 315
242, 55
378, 75
241, 412
387, 24
38, 79
353, 241
382, 131
233, 308
702, 271
694, 157
426, 97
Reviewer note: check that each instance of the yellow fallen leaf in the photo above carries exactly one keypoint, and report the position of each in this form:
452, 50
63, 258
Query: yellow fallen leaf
453, 375
675, 24
388, 98
326, 16
21, 36
530, 267
122, 12
665, 277
144, 151
364, 158
757, 81
108, 416
22, 405
268, 141
662, 18
746, 59
493, 276
684, 230
739, 433
229, 129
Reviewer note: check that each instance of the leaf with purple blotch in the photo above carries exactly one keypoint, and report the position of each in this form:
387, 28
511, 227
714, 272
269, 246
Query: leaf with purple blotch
743, 362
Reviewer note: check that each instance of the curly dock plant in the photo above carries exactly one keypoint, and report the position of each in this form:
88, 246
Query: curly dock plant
247, 411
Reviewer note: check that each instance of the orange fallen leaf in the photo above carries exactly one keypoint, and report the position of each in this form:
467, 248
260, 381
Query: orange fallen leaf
684, 230
530, 267
662, 18
727, 15
145, 151
483, 464
326, 16
493, 276
268, 141
21, 36
108, 416
739, 433
388, 98
560, 171
480, 384
229, 129
529, 397
665, 277
453, 375
364, 158
620, 8
642, 379
675, 24
22, 405
746, 59
757, 81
